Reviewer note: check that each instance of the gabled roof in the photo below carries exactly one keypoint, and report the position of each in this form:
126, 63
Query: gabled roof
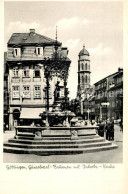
30, 38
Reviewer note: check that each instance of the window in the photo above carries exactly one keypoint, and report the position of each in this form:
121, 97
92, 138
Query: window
37, 92
82, 79
86, 66
39, 50
111, 94
82, 66
113, 104
25, 73
15, 92
15, 72
17, 52
50, 92
26, 91
86, 79
37, 73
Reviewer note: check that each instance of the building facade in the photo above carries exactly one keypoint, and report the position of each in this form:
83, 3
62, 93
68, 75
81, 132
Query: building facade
108, 92
115, 97
27, 84
6, 96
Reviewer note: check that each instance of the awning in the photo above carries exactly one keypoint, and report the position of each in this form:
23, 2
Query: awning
31, 113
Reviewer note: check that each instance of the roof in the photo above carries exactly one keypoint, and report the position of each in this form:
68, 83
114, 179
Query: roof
106, 78
84, 51
120, 73
30, 38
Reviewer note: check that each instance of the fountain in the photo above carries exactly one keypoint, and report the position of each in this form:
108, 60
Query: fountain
61, 133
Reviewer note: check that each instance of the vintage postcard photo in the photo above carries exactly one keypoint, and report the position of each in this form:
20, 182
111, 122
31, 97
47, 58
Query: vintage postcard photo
64, 74
63, 82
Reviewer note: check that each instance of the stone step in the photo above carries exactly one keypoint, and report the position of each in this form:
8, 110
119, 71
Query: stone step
58, 151
48, 141
69, 137
51, 137
52, 146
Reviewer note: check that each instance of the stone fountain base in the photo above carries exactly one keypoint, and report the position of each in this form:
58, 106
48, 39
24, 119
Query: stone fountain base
61, 140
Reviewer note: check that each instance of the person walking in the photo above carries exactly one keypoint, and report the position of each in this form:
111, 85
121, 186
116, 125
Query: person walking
101, 129
109, 130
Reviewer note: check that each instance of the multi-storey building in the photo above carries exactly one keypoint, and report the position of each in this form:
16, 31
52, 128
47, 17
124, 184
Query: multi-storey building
6, 97
115, 97
26, 55
105, 97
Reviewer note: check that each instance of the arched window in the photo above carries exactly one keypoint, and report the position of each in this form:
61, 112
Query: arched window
82, 78
86, 79
86, 66
82, 66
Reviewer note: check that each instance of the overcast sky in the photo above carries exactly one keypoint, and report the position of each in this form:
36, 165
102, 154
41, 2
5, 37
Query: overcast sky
98, 25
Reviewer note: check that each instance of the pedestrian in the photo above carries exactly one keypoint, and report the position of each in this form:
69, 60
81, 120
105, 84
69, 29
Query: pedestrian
101, 129
121, 125
112, 131
107, 129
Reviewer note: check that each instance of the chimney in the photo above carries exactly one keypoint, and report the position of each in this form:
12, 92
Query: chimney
120, 69
32, 31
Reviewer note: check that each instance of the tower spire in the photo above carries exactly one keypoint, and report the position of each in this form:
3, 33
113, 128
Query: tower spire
56, 33
83, 46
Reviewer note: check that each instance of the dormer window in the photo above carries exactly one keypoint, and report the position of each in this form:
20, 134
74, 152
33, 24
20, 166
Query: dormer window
17, 52
39, 51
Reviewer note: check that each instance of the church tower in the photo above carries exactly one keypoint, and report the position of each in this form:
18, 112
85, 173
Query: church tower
83, 71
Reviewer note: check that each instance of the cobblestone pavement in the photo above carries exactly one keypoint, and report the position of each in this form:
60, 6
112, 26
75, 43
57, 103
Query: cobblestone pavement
110, 156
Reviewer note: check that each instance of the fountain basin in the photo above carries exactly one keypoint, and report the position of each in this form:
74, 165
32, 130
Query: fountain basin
56, 131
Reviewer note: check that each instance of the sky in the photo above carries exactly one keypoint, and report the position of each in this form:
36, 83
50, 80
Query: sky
98, 25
